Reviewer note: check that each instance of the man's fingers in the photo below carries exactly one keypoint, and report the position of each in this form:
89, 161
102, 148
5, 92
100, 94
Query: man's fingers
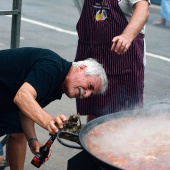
58, 120
47, 158
121, 44
115, 44
63, 118
122, 49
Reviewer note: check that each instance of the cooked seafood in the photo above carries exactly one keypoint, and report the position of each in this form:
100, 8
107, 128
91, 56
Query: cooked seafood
139, 143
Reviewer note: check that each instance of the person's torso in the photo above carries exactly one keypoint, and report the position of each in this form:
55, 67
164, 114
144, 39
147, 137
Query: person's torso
99, 23
126, 7
42, 68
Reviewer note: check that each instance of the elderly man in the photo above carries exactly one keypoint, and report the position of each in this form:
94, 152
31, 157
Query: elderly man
31, 78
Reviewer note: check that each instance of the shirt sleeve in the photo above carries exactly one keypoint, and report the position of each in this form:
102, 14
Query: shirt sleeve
43, 77
133, 2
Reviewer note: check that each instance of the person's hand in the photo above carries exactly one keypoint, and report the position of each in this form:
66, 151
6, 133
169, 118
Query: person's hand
59, 120
121, 44
35, 148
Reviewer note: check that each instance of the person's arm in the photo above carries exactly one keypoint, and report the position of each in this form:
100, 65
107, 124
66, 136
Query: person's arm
29, 131
140, 15
25, 99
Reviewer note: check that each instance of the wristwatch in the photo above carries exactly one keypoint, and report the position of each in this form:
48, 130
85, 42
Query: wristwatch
31, 140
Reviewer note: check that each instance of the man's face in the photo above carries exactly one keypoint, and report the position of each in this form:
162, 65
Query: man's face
82, 86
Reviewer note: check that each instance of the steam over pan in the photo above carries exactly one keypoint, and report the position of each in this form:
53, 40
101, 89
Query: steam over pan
131, 140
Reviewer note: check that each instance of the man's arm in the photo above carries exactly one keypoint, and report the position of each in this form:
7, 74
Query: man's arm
140, 15
27, 126
29, 131
25, 99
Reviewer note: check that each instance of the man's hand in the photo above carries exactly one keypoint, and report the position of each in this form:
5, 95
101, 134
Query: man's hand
121, 44
58, 120
35, 147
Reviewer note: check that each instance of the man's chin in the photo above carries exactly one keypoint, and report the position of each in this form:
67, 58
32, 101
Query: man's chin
71, 96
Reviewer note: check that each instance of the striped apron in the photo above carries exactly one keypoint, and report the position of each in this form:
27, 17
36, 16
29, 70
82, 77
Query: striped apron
99, 22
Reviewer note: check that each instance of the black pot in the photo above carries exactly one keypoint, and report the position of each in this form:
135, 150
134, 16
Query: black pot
89, 126
156, 109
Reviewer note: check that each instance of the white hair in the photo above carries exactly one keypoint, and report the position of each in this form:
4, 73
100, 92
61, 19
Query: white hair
94, 69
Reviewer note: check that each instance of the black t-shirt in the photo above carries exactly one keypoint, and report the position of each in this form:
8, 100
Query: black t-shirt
42, 68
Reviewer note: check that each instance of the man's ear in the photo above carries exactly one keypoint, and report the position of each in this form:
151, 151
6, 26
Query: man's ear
82, 67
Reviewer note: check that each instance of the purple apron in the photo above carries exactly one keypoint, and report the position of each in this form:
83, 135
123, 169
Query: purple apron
99, 22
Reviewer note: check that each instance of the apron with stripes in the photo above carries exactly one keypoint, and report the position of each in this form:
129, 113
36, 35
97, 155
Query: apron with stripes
100, 21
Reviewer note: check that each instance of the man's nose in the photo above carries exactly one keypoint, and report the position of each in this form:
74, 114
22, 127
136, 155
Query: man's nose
87, 94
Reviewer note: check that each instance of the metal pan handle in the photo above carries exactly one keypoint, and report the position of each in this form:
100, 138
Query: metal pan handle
60, 139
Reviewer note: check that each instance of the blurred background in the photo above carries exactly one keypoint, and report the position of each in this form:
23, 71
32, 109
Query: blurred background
156, 2
52, 24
